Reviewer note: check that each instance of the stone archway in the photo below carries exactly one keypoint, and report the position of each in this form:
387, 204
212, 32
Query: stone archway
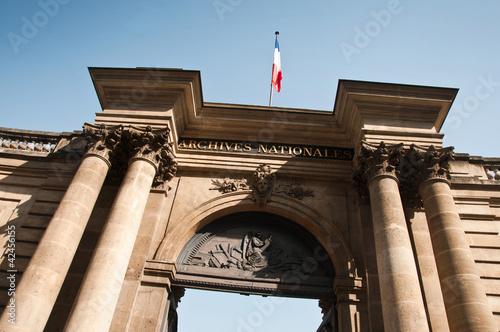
327, 235
346, 295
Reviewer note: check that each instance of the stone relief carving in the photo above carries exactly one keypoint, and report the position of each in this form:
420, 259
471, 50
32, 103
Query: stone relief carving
294, 190
254, 252
262, 184
167, 168
230, 184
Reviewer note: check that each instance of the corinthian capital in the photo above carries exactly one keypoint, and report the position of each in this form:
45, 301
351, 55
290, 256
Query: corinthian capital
418, 165
146, 143
375, 160
428, 163
154, 146
102, 139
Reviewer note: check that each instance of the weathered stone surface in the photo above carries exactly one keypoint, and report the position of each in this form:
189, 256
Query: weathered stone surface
378, 258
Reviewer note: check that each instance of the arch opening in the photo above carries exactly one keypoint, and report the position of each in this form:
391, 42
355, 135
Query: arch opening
221, 311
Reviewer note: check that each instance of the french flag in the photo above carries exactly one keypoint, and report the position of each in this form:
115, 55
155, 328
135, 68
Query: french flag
276, 80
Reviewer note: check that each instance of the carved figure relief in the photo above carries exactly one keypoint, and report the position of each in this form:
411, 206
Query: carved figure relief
253, 251
230, 184
262, 184
256, 252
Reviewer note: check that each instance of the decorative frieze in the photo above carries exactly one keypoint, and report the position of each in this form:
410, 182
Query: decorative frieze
259, 247
263, 183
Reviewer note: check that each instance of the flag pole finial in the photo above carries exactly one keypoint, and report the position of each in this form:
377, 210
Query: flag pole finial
277, 33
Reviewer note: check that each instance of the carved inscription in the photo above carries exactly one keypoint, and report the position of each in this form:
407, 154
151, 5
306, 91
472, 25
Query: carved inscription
292, 150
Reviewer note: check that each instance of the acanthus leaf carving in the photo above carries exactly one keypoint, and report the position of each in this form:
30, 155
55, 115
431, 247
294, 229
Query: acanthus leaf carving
148, 144
411, 167
119, 145
102, 140
167, 167
375, 160
418, 165
430, 162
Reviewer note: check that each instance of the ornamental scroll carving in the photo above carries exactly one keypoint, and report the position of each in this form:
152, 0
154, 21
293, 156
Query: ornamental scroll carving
263, 183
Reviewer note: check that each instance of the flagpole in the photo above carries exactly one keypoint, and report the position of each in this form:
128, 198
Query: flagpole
271, 96
271, 93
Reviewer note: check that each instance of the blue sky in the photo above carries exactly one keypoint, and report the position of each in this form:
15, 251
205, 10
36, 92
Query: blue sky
46, 47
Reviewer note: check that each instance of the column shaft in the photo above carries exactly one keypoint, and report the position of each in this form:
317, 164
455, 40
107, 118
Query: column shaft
96, 301
465, 299
40, 284
402, 304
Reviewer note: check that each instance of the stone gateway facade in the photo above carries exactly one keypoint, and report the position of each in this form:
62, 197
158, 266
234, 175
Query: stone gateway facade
362, 209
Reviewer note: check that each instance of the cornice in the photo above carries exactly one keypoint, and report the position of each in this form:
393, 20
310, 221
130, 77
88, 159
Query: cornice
363, 110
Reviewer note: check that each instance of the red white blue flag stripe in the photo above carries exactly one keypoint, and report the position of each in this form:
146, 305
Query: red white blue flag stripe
276, 80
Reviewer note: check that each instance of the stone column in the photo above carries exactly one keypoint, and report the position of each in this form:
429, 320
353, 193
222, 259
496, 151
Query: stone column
464, 296
402, 303
39, 287
96, 301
